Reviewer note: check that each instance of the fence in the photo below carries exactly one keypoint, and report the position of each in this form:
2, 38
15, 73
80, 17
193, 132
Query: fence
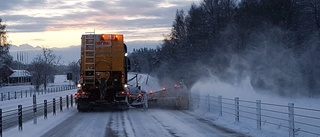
297, 121
29, 93
17, 116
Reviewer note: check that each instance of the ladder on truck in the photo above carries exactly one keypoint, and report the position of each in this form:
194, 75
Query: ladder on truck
89, 59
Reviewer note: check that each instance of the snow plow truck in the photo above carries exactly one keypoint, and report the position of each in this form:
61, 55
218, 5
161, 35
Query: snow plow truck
103, 73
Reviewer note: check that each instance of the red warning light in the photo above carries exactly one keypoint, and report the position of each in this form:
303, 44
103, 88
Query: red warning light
175, 85
103, 37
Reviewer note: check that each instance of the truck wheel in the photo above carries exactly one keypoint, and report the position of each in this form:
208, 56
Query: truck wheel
126, 107
81, 108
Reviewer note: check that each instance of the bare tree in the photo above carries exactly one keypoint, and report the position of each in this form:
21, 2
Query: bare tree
43, 67
74, 68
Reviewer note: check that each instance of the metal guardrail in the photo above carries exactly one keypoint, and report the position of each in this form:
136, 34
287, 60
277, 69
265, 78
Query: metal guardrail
16, 117
298, 121
28, 93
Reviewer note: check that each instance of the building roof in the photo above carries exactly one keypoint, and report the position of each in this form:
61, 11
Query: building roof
20, 73
5, 66
5, 71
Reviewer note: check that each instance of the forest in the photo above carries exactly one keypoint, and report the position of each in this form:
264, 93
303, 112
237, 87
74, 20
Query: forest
273, 42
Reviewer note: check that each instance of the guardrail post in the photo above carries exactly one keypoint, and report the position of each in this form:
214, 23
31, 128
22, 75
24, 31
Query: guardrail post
71, 100
67, 100
1, 96
15, 94
8, 95
34, 109
291, 119
20, 117
21, 93
258, 114
60, 103
0, 122
237, 115
54, 107
220, 105
45, 111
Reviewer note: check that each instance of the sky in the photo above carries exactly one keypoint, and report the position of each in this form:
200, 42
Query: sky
60, 23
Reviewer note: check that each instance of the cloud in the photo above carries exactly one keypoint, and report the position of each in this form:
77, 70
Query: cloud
50, 22
10, 5
39, 15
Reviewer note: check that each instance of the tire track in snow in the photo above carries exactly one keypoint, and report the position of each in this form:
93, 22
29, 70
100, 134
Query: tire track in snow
166, 127
109, 132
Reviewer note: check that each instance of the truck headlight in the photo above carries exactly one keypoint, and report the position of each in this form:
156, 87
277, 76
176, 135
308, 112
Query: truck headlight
79, 85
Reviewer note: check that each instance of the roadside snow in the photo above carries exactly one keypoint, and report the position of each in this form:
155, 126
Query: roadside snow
245, 92
211, 86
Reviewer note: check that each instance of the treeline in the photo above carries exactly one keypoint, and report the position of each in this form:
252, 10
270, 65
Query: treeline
273, 42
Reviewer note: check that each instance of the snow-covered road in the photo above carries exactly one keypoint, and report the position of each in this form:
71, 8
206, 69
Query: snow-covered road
133, 123
155, 122
138, 123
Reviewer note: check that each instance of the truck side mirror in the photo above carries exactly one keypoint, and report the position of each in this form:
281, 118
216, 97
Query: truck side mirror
128, 64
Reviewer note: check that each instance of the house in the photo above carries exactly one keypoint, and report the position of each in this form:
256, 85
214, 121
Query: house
9, 76
5, 72
20, 77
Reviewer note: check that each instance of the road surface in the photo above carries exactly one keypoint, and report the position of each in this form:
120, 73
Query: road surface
138, 123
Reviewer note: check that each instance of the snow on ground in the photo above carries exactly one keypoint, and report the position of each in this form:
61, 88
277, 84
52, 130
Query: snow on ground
59, 80
146, 82
244, 91
208, 86
7, 89
43, 125
30, 129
